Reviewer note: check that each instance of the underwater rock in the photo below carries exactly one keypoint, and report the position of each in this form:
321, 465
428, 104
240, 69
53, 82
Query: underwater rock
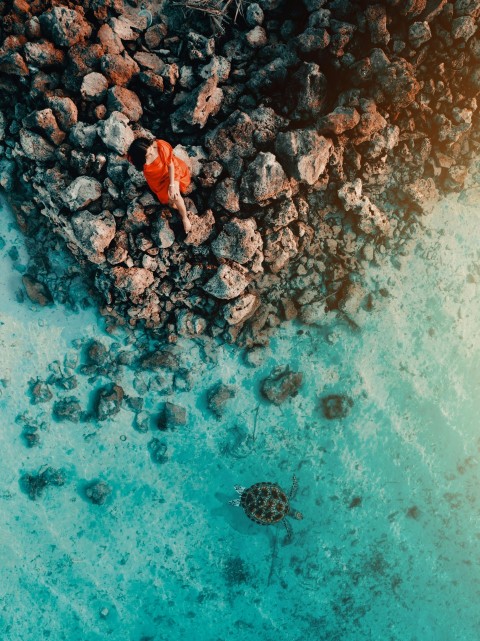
98, 492
35, 484
281, 384
68, 408
109, 401
217, 398
172, 416
40, 392
335, 406
158, 449
142, 421
37, 292
160, 358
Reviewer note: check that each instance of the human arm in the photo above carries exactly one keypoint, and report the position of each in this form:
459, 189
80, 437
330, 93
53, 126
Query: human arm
173, 187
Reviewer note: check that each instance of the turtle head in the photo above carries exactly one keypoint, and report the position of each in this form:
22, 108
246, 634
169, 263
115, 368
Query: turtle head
296, 515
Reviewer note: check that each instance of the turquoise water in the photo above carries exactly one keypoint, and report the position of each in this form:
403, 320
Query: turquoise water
389, 545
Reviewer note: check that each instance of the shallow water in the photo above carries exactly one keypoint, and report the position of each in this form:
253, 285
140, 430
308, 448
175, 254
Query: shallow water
389, 545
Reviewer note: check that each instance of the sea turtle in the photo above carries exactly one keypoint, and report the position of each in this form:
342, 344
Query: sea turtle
266, 503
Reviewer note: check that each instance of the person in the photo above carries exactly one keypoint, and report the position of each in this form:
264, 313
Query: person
166, 175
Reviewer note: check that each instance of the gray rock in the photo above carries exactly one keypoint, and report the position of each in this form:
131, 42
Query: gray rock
202, 103
376, 16
45, 121
254, 14
241, 309
304, 153
134, 280
93, 233
190, 324
162, 234
338, 121
35, 147
227, 283
336, 406
227, 195
94, 87
83, 135
7, 174
115, 132
463, 28
65, 111
238, 240
264, 180
218, 397
37, 291
43, 54
418, 34
280, 247
202, 228
372, 219
82, 192
281, 384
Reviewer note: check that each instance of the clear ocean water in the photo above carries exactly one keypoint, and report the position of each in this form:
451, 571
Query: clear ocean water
389, 547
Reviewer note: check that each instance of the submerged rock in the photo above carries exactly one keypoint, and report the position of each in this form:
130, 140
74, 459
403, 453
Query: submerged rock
109, 401
68, 408
281, 384
335, 406
217, 398
172, 416
35, 484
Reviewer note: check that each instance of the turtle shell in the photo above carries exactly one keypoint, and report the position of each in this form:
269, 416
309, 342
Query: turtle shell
265, 503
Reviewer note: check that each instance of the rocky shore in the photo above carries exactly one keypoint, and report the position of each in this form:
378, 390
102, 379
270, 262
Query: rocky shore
318, 136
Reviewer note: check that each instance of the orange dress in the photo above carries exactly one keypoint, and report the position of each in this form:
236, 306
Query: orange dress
156, 172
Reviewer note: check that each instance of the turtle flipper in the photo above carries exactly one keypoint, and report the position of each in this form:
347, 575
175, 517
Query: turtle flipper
289, 536
294, 488
235, 502
239, 489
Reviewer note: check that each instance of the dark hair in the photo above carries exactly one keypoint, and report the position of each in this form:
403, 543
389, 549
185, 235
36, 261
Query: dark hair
137, 152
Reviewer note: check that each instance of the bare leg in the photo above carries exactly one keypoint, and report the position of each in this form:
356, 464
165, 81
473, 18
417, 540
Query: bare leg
179, 204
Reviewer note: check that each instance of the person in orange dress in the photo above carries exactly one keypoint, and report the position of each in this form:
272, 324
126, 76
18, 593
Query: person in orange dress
166, 175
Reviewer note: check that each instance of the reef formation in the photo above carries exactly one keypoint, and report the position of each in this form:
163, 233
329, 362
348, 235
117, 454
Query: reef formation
318, 134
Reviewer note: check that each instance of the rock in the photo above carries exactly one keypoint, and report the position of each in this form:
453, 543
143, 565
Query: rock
281, 384
110, 41
241, 309
280, 247
202, 227
227, 283
418, 34
35, 484
397, 84
335, 406
238, 240
257, 37
12, 64
227, 195
68, 408
338, 121
217, 398
194, 156
109, 401
35, 147
97, 353
422, 193
304, 153
350, 303
134, 280
162, 234
158, 451
199, 47
123, 28
218, 67
154, 35
7, 174
46, 123
141, 422
281, 215
125, 101
43, 54
190, 324
203, 102
65, 26
254, 14
93, 233
463, 28
264, 180
371, 218
371, 121
173, 416
98, 492
37, 291
94, 87
160, 358
115, 133
150, 61
312, 40
376, 16
83, 135
65, 111
82, 192
118, 69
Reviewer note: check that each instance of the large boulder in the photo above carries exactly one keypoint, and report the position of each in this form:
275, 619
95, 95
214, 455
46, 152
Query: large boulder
238, 240
264, 180
115, 132
304, 153
94, 86
93, 233
227, 283
83, 191
118, 69
43, 54
65, 26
